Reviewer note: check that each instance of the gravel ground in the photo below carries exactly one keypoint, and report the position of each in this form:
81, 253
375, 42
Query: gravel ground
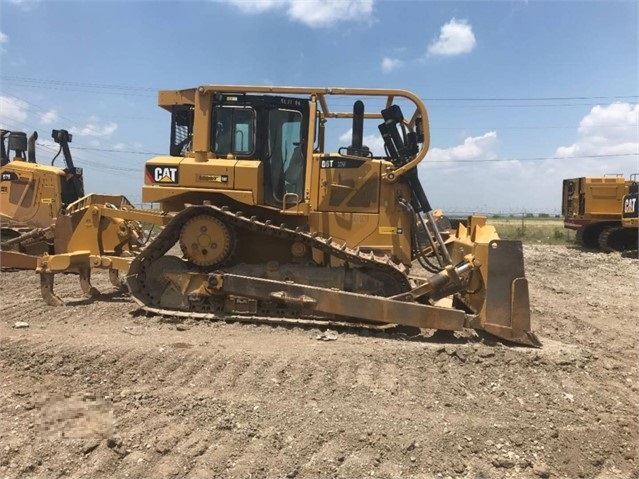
94, 389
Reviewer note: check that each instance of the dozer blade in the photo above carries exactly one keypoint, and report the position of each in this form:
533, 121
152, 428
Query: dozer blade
506, 313
349, 306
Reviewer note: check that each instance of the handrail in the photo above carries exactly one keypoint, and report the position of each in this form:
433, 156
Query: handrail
167, 98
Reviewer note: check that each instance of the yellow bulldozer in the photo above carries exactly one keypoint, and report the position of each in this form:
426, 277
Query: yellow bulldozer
34, 195
269, 211
596, 208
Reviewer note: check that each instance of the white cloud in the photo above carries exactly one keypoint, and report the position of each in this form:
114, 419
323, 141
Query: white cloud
473, 148
322, 13
455, 37
464, 178
607, 130
257, 6
313, 13
12, 111
94, 129
375, 143
49, 117
512, 186
390, 64
25, 5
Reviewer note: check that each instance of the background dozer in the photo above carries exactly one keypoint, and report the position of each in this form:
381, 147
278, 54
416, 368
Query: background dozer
39, 203
32, 195
593, 207
268, 216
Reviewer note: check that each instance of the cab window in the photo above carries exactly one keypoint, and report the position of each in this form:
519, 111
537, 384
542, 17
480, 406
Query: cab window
285, 152
181, 129
233, 131
21, 193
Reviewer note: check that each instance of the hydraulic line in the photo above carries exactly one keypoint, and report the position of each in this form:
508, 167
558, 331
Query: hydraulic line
439, 250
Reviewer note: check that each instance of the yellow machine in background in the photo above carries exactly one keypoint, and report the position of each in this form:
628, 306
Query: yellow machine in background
593, 207
274, 218
32, 195
38, 200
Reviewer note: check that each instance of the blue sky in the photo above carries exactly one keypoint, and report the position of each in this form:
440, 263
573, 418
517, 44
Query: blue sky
520, 94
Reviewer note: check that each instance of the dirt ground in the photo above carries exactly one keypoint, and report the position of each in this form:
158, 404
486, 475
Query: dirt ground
94, 390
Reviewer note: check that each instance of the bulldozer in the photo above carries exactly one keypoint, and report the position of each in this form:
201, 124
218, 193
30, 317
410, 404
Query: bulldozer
265, 216
594, 207
38, 200
32, 195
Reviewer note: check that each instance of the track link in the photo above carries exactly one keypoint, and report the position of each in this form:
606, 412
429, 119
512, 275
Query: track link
617, 238
170, 235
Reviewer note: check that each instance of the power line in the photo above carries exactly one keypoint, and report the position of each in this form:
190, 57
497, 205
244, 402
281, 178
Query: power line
147, 153
78, 147
432, 128
549, 98
76, 84
116, 150
426, 161
540, 158
109, 169
59, 84
44, 110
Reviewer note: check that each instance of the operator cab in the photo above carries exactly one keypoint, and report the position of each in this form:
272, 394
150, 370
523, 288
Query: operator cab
21, 174
270, 129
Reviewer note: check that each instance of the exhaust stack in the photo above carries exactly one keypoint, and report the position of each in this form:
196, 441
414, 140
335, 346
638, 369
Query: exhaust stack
357, 139
31, 147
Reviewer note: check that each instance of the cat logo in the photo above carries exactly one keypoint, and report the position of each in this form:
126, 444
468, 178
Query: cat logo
162, 174
630, 205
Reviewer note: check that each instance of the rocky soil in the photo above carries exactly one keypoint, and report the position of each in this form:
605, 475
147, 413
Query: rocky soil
96, 390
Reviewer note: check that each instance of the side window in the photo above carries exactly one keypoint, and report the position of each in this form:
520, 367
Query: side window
21, 193
181, 130
290, 136
233, 131
286, 155
243, 131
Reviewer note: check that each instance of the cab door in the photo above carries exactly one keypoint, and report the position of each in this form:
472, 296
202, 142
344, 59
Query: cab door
285, 155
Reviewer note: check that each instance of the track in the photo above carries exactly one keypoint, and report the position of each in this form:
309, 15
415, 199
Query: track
618, 239
143, 292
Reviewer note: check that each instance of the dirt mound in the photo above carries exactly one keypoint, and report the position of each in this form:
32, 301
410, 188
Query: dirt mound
95, 390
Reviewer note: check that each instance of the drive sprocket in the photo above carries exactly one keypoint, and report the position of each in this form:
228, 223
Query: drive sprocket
206, 241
